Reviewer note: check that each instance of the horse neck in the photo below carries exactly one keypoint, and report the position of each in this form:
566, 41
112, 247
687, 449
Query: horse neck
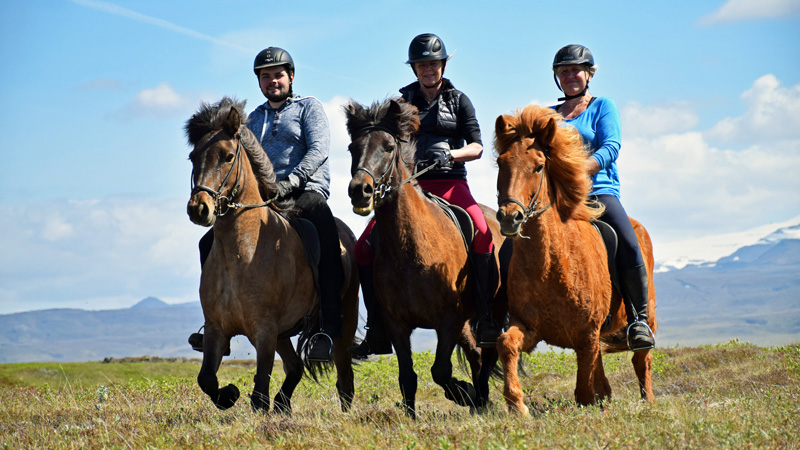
406, 215
234, 230
547, 235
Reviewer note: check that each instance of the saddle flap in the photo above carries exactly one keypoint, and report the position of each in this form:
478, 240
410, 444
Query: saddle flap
459, 216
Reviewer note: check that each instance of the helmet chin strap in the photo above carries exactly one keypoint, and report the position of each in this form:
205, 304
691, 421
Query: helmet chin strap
578, 95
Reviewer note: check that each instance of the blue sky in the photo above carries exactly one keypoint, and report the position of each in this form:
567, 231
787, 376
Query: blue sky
94, 175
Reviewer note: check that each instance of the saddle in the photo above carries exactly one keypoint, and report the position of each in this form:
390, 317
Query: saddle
459, 216
610, 239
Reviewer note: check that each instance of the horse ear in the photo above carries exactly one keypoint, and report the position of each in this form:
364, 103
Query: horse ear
395, 110
233, 122
549, 133
503, 126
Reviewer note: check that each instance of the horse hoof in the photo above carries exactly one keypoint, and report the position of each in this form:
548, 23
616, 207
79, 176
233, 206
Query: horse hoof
227, 397
464, 395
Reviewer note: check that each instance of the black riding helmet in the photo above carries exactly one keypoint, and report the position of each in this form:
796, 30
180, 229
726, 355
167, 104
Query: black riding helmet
273, 56
572, 54
426, 47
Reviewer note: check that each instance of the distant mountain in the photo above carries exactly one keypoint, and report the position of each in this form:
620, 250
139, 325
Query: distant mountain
151, 327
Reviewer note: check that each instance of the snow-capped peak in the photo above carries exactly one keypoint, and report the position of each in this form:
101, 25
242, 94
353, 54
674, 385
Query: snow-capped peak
708, 250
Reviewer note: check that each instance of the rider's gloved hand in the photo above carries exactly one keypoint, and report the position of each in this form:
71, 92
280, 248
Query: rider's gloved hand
285, 189
442, 158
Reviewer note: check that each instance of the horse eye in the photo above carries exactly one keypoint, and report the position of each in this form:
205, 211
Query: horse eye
389, 148
538, 169
229, 157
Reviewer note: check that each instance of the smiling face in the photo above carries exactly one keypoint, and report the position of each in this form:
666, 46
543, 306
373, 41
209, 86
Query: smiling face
573, 78
429, 73
276, 84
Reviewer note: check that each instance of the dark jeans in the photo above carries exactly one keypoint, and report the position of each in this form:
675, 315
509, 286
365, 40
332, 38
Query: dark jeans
313, 207
628, 253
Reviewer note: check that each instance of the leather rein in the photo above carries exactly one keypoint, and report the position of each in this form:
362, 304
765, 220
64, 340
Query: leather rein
224, 203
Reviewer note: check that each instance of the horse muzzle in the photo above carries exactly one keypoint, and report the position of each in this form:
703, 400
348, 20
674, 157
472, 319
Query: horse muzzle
201, 209
361, 194
510, 223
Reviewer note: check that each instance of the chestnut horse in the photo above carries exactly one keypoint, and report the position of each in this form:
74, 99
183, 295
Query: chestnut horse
559, 286
257, 280
423, 276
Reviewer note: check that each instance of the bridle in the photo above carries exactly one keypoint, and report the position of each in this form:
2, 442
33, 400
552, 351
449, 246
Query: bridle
382, 186
224, 203
530, 211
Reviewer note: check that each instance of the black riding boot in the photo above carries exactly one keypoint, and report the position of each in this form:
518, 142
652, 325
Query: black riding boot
635, 285
205, 244
376, 342
484, 329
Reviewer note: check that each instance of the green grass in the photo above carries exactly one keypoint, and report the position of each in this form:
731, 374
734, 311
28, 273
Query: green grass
733, 395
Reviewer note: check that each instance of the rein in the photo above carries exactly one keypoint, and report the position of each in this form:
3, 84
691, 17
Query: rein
384, 187
224, 203
530, 211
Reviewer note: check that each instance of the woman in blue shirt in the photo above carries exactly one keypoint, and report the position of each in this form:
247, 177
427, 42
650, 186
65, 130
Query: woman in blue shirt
597, 119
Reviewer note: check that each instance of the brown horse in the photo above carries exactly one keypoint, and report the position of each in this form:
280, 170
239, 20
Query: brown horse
257, 280
559, 286
423, 276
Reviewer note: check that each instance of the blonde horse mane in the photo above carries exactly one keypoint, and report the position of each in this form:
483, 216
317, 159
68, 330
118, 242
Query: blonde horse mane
569, 180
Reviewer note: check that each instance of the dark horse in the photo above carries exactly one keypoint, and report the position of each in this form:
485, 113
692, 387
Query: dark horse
257, 280
559, 286
423, 276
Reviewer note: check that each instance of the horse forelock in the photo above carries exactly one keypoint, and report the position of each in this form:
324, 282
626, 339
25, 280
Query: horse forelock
566, 170
403, 125
212, 118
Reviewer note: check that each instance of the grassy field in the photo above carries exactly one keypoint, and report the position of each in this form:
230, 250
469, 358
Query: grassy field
732, 395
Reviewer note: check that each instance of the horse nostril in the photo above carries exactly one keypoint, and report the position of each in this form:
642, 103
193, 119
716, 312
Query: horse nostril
500, 215
367, 190
517, 217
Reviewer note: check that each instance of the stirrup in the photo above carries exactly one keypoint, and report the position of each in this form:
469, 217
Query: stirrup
628, 336
196, 340
479, 337
311, 344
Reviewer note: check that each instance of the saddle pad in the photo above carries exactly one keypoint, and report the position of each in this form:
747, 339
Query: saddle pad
459, 216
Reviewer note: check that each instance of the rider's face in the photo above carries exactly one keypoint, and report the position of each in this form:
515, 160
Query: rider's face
573, 78
429, 73
275, 83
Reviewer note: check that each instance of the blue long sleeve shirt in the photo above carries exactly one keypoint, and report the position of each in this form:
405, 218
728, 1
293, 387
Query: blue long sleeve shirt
600, 127
296, 138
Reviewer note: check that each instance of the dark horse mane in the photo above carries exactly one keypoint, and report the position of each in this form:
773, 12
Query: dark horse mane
403, 122
212, 118
569, 180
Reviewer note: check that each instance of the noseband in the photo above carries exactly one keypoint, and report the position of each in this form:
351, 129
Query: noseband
530, 211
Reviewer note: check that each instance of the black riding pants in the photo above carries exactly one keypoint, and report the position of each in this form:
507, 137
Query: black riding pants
628, 253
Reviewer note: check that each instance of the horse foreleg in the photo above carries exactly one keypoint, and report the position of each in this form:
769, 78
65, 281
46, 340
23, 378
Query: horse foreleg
343, 360
293, 368
588, 356
643, 366
509, 346
406, 376
460, 392
265, 345
213, 347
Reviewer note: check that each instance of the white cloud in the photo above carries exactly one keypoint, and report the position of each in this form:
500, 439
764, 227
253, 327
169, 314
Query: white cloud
736, 10
639, 120
56, 229
679, 181
773, 114
161, 101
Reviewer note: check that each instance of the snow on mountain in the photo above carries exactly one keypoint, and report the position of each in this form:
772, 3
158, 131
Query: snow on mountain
708, 250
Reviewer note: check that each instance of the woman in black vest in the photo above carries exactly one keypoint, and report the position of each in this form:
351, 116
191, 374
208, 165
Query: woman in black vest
448, 137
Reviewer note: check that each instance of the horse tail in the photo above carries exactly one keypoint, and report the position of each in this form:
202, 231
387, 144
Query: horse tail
614, 342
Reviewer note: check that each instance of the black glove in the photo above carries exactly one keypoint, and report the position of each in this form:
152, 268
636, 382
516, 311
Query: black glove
285, 189
441, 158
